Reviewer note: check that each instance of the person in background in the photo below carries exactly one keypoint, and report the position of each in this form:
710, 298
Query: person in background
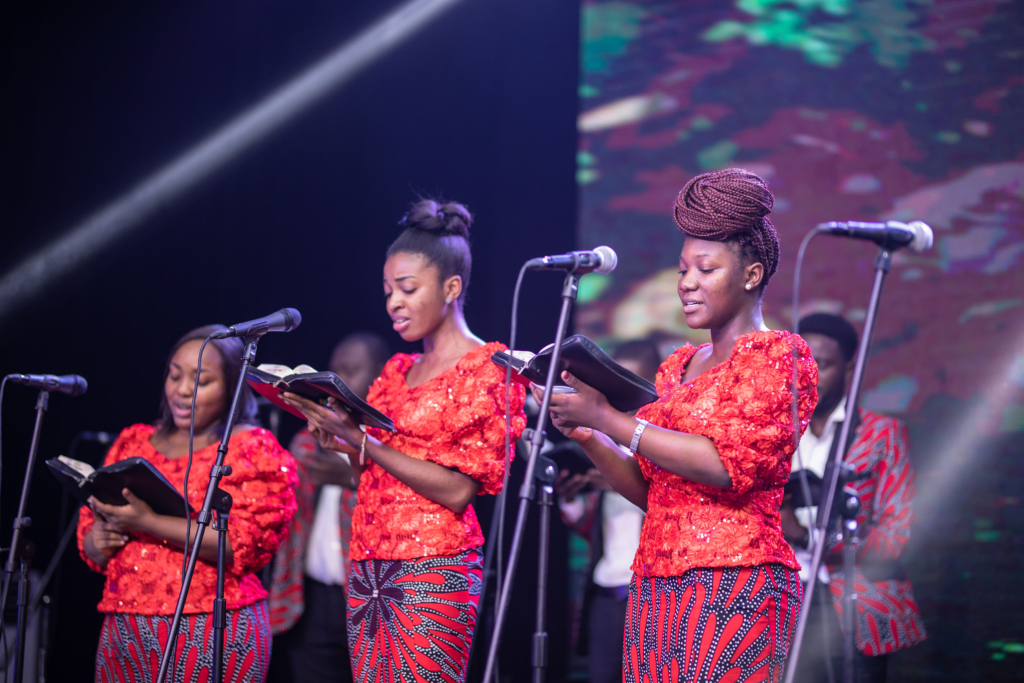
307, 595
141, 553
611, 524
416, 543
883, 477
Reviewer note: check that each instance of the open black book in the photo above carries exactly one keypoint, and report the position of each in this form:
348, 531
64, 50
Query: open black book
106, 483
625, 390
270, 380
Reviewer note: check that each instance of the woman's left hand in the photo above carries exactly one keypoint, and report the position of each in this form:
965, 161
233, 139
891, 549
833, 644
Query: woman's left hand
581, 409
331, 419
135, 516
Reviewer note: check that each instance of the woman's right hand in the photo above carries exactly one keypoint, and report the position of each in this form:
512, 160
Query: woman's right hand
580, 435
107, 538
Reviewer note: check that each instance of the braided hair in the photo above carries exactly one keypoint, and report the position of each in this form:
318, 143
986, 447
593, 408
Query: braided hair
438, 231
731, 205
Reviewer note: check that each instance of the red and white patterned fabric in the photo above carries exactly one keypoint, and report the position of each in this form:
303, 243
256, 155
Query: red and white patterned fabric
730, 625
887, 615
131, 646
412, 621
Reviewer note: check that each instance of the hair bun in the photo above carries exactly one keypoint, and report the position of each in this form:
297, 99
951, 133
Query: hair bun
448, 219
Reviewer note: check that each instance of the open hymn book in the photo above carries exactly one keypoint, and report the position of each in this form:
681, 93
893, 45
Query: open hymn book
625, 390
270, 380
105, 484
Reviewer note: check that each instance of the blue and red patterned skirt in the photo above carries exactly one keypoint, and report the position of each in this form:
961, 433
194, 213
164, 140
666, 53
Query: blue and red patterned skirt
131, 646
413, 620
730, 625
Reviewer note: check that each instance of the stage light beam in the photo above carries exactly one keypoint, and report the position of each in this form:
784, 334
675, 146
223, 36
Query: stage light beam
212, 153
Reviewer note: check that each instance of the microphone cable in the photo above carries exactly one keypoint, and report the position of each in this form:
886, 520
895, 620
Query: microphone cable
805, 488
188, 465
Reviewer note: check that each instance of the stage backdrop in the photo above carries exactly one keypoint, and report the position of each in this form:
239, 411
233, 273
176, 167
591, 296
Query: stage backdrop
874, 110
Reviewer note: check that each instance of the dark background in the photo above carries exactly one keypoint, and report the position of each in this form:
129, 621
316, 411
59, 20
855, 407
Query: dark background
479, 106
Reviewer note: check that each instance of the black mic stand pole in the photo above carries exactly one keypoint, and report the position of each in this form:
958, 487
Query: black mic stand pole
531, 484
215, 499
882, 264
22, 549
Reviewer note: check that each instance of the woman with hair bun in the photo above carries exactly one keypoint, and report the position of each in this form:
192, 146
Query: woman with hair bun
416, 543
715, 593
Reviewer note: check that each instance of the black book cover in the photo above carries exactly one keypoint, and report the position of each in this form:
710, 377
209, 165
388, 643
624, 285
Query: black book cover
317, 386
625, 390
105, 484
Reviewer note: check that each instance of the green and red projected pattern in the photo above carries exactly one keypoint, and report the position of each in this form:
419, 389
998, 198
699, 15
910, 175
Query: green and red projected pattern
872, 110
868, 111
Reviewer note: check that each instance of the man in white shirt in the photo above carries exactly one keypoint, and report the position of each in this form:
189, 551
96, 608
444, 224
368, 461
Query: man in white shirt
311, 569
612, 526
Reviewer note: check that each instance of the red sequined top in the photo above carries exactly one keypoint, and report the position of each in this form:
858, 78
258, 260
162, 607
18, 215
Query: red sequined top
145, 576
744, 405
457, 420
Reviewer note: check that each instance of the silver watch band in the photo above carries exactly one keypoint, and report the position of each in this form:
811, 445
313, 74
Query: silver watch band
637, 433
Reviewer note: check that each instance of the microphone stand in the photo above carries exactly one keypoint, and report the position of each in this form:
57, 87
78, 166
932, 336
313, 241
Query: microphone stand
883, 262
536, 481
218, 500
22, 549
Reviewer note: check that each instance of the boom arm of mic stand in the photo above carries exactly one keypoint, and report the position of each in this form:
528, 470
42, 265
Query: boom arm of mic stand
203, 520
882, 264
569, 291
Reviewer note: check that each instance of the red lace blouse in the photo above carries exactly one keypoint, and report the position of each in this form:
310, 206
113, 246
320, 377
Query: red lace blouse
744, 405
145, 576
457, 420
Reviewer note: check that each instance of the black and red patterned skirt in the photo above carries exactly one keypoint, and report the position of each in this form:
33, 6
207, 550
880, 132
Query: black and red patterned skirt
730, 625
131, 646
413, 620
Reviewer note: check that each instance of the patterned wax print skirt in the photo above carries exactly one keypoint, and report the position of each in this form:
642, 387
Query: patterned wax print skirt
729, 625
131, 646
413, 620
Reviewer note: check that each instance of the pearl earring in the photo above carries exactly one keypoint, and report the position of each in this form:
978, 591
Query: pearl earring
748, 285
448, 299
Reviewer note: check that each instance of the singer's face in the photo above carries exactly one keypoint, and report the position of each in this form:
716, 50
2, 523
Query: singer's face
414, 295
212, 395
711, 283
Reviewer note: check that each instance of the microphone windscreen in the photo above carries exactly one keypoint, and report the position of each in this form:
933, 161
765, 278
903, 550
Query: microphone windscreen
609, 259
293, 316
923, 237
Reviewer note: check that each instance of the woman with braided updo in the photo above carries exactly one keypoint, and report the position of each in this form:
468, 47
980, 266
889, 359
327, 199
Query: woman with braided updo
715, 593
416, 543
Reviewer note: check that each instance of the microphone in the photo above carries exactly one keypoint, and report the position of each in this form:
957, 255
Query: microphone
601, 260
73, 385
916, 236
285, 320
98, 437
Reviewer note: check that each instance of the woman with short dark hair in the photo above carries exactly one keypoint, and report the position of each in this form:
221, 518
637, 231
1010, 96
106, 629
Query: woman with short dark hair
416, 543
142, 552
715, 593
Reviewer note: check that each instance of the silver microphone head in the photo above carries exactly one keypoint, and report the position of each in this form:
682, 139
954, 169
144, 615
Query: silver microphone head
923, 237
609, 259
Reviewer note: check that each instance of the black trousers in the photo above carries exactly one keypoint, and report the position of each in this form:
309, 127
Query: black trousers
607, 623
823, 648
315, 650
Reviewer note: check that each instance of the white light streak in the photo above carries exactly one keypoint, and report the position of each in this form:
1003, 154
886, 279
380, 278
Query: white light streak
197, 164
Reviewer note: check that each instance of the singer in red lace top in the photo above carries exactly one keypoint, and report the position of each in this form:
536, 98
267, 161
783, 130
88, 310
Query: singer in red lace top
745, 407
457, 420
145, 577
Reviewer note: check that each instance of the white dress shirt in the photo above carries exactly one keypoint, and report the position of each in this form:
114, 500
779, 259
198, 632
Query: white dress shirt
323, 551
621, 522
813, 456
